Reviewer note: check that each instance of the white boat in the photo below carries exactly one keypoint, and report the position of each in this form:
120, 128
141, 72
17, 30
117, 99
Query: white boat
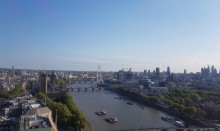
117, 97
179, 124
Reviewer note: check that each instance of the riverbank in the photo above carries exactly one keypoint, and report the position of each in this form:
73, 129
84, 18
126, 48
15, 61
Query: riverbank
153, 102
87, 127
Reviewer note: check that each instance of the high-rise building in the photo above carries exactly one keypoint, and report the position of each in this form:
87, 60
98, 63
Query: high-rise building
208, 70
148, 73
168, 71
205, 72
185, 71
145, 72
213, 71
13, 71
43, 81
158, 72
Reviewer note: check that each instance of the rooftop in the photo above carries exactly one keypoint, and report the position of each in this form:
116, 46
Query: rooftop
43, 110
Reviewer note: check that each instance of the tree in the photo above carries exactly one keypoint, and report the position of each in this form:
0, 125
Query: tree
4, 94
60, 81
152, 99
78, 118
17, 90
190, 110
195, 98
63, 112
67, 112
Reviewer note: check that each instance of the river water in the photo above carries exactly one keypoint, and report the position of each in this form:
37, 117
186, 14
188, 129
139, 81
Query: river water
129, 116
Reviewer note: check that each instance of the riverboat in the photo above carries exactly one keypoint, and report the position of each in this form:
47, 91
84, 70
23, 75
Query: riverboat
130, 103
111, 120
100, 113
179, 124
116, 97
168, 119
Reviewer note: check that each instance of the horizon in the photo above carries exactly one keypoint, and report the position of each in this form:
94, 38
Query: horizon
80, 35
125, 69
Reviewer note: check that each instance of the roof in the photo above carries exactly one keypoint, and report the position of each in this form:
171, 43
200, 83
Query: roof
30, 112
43, 110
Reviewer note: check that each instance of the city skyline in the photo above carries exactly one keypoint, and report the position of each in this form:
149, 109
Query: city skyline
80, 35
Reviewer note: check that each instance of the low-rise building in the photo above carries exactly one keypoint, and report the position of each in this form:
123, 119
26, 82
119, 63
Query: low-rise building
26, 113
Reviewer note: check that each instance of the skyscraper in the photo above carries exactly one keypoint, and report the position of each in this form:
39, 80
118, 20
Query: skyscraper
168, 71
213, 71
13, 71
145, 72
158, 72
148, 73
185, 71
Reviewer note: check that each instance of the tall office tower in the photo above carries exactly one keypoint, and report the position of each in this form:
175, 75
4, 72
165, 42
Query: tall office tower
158, 72
213, 71
185, 71
145, 72
148, 73
13, 71
208, 70
205, 72
43, 81
168, 71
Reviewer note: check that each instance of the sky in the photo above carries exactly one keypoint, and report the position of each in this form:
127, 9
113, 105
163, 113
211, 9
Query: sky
82, 34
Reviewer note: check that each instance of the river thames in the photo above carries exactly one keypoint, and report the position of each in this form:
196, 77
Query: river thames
129, 116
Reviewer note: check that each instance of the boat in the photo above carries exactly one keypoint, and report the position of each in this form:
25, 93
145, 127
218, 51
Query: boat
111, 120
141, 106
100, 113
168, 119
116, 97
130, 103
163, 118
179, 124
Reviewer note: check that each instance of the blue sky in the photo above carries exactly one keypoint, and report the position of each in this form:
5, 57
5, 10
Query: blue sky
80, 34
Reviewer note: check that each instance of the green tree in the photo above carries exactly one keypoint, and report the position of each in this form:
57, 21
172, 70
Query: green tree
190, 110
67, 112
60, 81
78, 118
63, 112
4, 94
16, 91
152, 99
195, 97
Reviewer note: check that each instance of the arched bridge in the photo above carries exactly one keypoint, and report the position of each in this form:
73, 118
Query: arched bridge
85, 87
